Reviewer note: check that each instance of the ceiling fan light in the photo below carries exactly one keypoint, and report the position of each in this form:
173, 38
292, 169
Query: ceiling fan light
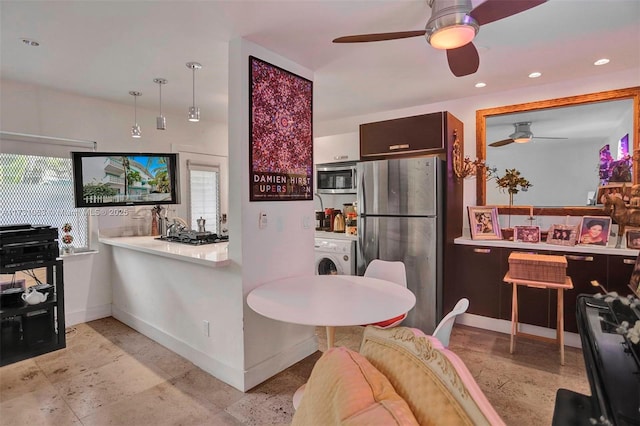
450, 25
522, 139
452, 37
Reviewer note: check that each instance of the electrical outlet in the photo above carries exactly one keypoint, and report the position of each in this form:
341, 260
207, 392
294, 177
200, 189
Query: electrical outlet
205, 328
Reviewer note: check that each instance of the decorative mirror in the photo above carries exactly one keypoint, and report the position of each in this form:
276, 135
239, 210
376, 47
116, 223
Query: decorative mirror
556, 144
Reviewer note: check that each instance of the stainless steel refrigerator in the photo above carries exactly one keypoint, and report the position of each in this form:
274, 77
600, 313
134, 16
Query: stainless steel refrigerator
400, 208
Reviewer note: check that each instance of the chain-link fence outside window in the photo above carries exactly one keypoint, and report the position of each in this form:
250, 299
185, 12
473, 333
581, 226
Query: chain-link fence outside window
39, 190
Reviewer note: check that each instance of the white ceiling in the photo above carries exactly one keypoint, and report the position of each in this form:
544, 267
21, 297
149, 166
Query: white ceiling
104, 49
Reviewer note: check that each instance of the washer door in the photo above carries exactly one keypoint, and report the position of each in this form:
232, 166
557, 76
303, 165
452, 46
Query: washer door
328, 266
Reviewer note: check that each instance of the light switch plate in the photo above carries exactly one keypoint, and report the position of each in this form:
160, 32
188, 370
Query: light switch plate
262, 222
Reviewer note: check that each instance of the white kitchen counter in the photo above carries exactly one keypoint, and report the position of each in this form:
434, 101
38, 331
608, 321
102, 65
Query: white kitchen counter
593, 249
211, 255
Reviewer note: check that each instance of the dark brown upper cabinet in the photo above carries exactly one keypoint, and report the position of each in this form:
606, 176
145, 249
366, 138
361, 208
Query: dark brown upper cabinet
408, 136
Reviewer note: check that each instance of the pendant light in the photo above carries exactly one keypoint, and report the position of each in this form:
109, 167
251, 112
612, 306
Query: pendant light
135, 130
194, 112
161, 121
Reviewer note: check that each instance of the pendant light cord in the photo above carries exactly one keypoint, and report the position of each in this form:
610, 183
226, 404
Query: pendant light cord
193, 69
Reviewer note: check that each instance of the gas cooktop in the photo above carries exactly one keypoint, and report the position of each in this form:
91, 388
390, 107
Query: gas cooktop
195, 238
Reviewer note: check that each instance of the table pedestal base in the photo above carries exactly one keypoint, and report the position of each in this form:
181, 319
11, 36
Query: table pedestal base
331, 336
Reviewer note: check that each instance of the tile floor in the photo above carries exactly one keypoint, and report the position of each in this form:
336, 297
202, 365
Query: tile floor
111, 375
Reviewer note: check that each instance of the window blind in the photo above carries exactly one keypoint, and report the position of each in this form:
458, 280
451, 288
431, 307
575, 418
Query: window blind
204, 195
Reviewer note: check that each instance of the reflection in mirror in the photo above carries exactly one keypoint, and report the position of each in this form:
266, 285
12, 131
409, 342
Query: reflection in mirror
560, 152
561, 157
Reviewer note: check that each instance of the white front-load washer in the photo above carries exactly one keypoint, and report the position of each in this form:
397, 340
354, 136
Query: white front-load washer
335, 257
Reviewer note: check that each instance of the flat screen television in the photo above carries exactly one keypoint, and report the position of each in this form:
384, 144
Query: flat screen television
125, 178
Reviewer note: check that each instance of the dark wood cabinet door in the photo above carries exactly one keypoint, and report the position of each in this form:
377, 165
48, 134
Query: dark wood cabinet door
479, 276
402, 136
619, 271
582, 268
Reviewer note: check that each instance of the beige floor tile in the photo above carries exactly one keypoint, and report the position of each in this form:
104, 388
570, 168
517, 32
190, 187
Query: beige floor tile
110, 327
85, 351
43, 406
110, 374
108, 384
224, 419
148, 352
203, 387
269, 403
20, 378
160, 405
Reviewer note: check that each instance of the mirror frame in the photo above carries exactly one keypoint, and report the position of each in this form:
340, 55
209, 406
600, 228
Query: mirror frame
481, 145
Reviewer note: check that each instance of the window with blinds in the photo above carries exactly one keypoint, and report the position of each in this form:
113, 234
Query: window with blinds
204, 195
36, 184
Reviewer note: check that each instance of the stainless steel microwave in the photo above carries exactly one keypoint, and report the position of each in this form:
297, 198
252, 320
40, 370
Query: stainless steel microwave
336, 178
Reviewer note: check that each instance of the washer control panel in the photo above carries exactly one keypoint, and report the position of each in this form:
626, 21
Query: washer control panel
333, 246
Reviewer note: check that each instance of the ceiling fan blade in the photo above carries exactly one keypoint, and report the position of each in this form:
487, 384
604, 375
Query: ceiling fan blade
493, 10
363, 38
502, 142
463, 60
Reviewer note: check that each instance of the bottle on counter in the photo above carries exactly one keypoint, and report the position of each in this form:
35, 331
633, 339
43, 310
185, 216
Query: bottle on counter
338, 222
351, 224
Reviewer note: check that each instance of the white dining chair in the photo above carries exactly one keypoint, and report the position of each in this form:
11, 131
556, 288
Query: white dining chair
443, 330
393, 271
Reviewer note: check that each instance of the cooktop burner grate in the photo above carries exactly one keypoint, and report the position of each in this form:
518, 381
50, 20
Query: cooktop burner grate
195, 238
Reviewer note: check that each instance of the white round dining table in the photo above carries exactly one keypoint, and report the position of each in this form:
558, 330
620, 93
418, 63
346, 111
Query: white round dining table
331, 301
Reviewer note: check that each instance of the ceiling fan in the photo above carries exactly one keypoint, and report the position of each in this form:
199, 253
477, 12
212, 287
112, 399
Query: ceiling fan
452, 26
522, 134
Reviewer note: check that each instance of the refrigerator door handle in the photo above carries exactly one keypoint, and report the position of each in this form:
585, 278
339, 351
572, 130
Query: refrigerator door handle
361, 228
360, 189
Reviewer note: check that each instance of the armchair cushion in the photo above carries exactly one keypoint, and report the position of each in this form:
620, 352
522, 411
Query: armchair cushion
344, 388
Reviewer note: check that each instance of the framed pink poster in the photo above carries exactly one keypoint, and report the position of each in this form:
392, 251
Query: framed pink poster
280, 134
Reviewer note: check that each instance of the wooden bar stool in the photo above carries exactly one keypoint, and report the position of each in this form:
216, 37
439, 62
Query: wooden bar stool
568, 284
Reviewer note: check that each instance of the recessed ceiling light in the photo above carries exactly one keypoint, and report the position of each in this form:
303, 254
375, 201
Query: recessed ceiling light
30, 42
602, 61
481, 84
535, 74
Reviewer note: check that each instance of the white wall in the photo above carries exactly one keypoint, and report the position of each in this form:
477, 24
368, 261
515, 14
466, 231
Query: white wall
283, 249
41, 111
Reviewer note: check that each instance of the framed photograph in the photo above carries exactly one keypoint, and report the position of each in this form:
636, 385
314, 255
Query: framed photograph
527, 234
280, 134
633, 238
483, 222
564, 235
594, 230
614, 189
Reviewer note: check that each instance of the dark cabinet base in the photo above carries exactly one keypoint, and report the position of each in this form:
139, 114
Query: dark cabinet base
31, 330
480, 270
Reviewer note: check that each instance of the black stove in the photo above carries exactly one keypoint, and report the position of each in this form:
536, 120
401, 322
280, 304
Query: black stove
195, 238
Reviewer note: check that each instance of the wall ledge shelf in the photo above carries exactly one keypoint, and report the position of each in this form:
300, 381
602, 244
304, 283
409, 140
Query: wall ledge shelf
591, 249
